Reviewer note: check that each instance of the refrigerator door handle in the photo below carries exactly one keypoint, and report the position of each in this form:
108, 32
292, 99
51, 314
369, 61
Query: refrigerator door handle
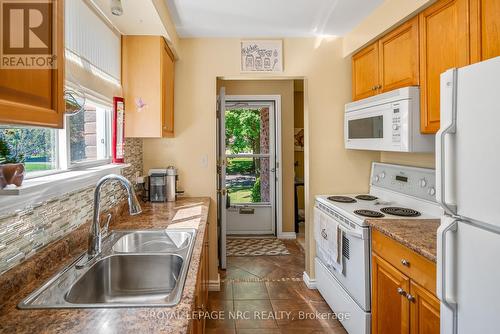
442, 283
448, 126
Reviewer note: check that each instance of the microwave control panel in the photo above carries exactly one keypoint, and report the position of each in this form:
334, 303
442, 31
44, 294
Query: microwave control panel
396, 123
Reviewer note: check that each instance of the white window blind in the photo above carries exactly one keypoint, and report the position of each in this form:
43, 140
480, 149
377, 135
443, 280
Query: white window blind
91, 42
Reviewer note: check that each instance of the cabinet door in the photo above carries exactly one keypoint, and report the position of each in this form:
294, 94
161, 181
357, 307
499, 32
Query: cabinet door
398, 57
424, 311
390, 307
484, 29
168, 92
142, 85
444, 44
365, 72
35, 97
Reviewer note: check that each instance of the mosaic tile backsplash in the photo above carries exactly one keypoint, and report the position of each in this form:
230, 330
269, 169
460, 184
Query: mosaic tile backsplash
24, 232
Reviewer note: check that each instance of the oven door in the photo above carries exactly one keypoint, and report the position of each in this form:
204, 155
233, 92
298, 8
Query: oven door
355, 276
370, 129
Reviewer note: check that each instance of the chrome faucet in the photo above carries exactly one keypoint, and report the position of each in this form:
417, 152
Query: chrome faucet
96, 234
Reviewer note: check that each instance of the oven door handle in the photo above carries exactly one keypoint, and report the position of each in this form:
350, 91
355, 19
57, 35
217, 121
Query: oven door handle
350, 232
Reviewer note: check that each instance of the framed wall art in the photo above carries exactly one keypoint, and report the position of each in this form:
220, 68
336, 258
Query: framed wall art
262, 56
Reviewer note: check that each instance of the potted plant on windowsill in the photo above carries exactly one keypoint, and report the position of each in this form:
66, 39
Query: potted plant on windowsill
11, 166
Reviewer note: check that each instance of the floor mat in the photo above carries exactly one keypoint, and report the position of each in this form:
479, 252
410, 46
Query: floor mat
255, 247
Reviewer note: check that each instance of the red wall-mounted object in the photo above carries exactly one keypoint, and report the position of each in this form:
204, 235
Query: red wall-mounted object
118, 133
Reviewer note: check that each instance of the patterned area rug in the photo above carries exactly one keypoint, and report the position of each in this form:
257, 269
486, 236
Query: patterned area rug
255, 247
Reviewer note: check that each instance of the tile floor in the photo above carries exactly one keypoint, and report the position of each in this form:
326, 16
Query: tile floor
265, 294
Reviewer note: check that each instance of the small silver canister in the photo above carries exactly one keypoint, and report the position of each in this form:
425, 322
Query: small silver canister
171, 183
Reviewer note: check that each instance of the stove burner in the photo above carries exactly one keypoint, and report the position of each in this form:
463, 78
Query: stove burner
342, 199
403, 212
369, 213
366, 197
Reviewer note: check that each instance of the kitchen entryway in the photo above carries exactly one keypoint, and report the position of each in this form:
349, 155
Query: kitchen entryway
254, 287
248, 158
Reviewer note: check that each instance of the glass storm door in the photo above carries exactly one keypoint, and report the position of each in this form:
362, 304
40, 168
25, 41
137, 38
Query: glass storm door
250, 167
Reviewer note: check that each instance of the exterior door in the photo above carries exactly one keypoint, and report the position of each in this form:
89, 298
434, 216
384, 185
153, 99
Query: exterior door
250, 167
221, 177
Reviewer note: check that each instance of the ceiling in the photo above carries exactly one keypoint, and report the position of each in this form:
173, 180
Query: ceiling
268, 18
139, 17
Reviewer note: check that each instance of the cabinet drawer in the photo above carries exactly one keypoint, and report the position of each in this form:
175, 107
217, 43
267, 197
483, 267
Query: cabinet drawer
415, 266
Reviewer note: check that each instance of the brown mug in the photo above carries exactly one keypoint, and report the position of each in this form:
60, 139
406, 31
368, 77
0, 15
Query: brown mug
13, 173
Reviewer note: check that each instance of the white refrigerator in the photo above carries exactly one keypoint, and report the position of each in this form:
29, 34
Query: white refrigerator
468, 189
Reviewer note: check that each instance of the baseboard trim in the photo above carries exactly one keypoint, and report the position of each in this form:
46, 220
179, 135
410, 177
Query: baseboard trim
310, 283
214, 285
287, 235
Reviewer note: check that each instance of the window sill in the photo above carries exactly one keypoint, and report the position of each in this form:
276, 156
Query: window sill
40, 189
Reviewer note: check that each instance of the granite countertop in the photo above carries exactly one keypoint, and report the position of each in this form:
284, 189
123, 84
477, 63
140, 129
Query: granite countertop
21, 280
420, 235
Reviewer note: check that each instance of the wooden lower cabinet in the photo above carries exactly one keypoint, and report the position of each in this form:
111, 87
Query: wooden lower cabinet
400, 303
201, 290
424, 310
390, 308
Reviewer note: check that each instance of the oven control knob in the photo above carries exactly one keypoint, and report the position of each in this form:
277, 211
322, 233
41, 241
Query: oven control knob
382, 175
423, 183
432, 191
376, 178
395, 126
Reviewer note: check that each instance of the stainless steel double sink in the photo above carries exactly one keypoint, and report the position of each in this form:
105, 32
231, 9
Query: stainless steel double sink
135, 268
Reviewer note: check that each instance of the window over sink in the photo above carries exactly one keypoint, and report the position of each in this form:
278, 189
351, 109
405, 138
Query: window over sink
84, 141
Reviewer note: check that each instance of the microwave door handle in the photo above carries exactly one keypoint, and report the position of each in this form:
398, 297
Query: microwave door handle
448, 126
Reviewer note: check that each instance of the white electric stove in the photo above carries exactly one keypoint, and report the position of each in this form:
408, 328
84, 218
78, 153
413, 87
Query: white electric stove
396, 192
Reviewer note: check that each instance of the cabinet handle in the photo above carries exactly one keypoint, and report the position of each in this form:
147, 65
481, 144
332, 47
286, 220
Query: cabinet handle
379, 87
324, 235
374, 88
401, 292
405, 262
410, 297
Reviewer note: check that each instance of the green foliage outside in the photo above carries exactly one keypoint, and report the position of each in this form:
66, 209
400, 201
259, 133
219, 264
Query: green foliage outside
243, 136
34, 146
240, 166
243, 131
256, 191
240, 195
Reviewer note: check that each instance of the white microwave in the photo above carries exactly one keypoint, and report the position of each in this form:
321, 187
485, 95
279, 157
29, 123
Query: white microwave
386, 122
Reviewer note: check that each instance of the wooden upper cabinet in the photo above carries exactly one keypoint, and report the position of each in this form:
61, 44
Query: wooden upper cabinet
444, 44
168, 72
365, 72
147, 80
398, 57
484, 29
390, 307
424, 311
36, 97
